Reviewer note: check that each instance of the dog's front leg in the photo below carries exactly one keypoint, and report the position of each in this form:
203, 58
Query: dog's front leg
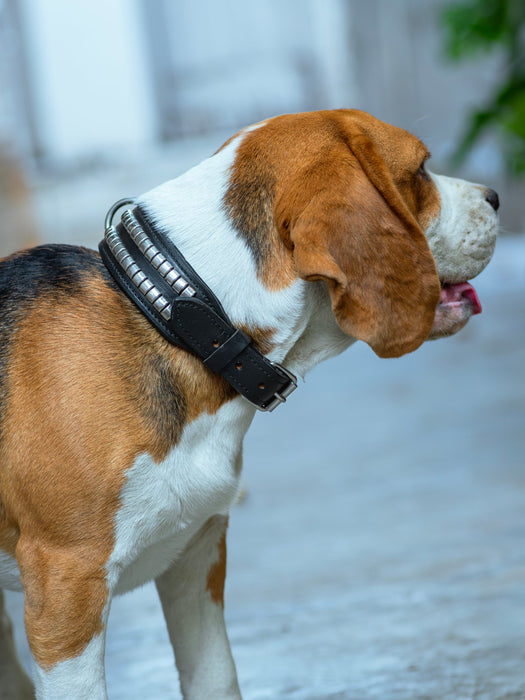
191, 593
66, 608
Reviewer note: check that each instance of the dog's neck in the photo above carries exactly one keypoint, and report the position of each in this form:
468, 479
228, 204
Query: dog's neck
298, 318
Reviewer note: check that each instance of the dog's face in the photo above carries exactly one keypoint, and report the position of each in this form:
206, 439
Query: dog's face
458, 218
356, 207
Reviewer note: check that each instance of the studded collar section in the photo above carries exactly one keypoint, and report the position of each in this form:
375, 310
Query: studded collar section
153, 273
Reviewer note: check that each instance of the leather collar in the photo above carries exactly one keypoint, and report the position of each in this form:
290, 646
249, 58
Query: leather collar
154, 274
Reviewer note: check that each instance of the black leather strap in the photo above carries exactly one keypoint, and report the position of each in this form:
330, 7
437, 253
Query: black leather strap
224, 353
197, 323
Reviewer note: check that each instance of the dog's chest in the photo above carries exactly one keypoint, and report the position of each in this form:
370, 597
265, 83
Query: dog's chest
164, 504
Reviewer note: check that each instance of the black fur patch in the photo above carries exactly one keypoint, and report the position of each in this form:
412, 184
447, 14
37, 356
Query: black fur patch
47, 268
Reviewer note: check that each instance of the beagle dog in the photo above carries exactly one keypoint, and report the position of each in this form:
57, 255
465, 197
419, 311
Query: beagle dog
121, 452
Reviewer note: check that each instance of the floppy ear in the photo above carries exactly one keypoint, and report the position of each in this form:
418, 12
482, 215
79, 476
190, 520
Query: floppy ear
355, 233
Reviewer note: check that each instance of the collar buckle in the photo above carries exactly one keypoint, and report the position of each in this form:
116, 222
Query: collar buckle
280, 396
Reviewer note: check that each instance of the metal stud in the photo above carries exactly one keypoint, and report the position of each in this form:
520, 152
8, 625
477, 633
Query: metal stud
145, 286
166, 313
124, 259
153, 295
157, 260
153, 255
180, 285
164, 268
132, 270
140, 238
160, 304
151, 252
172, 276
127, 265
139, 278
147, 245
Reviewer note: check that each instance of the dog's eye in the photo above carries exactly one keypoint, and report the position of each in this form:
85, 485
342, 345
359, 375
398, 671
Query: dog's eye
422, 172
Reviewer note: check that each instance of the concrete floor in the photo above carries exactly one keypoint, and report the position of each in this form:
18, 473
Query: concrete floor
380, 551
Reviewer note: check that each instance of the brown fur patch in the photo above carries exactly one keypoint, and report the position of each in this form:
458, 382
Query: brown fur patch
249, 203
277, 166
65, 595
217, 573
344, 192
91, 385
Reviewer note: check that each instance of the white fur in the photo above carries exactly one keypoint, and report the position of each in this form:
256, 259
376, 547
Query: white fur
79, 678
463, 237
164, 505
190, 211
196, 622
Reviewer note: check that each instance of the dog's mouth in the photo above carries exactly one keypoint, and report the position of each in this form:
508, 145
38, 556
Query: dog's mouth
458, 296
458, 302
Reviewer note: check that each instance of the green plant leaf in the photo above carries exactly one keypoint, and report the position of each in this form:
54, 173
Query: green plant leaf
475, 26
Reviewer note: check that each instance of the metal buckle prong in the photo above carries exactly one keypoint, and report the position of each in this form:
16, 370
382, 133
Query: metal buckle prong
279, 397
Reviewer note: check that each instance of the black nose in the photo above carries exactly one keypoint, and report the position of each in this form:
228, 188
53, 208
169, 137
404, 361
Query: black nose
491, 196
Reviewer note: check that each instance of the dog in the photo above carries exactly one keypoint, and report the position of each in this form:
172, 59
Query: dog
121, 452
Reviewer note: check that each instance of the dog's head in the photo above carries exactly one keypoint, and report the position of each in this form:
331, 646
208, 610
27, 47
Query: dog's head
352, 204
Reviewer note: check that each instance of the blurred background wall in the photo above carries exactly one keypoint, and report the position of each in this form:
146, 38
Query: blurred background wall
101, 99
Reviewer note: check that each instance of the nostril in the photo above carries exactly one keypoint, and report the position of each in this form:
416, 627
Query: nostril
491, 196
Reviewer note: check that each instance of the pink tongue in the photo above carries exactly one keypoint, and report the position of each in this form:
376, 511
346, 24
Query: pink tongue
454, 293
